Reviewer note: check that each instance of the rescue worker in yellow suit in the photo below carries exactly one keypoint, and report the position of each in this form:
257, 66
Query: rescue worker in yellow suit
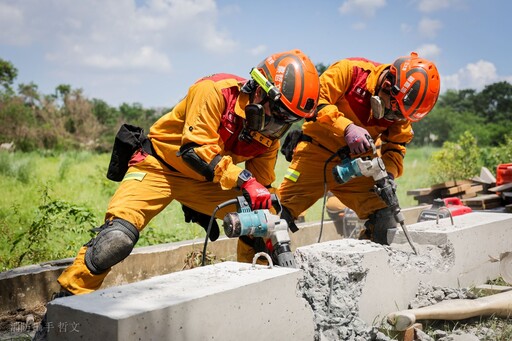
194, 155
359, 97
197, 147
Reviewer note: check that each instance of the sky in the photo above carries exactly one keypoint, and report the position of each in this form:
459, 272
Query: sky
150, 51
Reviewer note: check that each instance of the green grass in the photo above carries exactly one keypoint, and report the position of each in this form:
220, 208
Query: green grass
50, 202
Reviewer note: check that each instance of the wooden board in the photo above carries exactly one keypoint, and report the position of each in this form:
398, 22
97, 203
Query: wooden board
456, 189
449, 184
483, 202
420, 191
474, 189
501, 188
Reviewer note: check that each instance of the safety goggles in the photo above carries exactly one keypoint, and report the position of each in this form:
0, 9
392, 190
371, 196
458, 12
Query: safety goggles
280, 121
282, 113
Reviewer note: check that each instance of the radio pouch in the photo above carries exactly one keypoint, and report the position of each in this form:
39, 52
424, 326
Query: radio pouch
128, 140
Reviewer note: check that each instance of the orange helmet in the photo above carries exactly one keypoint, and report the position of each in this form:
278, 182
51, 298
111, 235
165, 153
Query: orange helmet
296, 79
415, 86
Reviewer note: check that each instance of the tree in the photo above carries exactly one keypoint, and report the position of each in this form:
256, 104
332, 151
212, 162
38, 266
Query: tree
320, 68
8, 74
29, 93
494, 102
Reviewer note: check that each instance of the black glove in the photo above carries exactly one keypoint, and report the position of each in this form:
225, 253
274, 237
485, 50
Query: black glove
203, 220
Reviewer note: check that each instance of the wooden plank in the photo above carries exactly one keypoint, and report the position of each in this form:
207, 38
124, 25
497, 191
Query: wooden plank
483, 202
474, 189
483, 205
456, 189
420, 191
501, 188
468, 195
487, 197
449, 184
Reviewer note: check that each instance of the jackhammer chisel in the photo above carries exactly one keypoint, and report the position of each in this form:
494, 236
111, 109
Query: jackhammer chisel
372, 167
261, 223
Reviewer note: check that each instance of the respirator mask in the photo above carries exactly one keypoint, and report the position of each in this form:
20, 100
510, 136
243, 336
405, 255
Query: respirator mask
281, 119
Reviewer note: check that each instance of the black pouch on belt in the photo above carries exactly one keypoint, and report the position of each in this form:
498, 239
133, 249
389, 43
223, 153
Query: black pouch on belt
128, 140
290, 142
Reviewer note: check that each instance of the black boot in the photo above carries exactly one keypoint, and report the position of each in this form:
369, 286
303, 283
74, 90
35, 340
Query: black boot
42, 330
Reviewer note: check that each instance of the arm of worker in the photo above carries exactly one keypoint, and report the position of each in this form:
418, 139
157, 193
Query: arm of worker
201, 147
394, 147
334, 83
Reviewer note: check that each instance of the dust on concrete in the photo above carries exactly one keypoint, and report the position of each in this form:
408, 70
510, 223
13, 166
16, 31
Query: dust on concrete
332, 286
429, 258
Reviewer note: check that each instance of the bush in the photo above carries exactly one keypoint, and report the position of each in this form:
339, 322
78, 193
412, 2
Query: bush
456, 161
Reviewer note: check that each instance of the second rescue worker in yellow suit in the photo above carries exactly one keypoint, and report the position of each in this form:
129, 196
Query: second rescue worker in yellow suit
223, 121
359, 97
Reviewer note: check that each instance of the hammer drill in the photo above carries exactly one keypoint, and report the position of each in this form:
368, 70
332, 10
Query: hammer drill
372, 167
261, 223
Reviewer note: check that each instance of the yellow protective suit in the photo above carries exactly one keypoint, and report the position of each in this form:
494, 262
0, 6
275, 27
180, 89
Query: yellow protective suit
345, 91
149, 185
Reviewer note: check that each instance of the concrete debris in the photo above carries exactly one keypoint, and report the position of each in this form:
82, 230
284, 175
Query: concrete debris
429, 295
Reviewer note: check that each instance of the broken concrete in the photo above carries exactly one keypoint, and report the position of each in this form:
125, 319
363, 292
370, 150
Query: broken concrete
350, 285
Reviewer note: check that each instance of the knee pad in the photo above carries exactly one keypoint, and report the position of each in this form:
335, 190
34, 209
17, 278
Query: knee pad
378, 225
114, 242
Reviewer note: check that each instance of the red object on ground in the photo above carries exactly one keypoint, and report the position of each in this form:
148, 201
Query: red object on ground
456, 207
503, 174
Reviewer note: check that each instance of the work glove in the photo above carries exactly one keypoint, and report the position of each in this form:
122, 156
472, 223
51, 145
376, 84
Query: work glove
203, 220
256, 194
356, 139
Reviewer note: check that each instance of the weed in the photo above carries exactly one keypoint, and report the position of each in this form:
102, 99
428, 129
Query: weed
52, 234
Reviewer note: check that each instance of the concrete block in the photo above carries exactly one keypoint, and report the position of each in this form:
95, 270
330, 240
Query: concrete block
225, 301
367, 281
477, 240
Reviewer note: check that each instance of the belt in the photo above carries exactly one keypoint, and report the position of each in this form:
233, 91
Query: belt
309, 139
148, 148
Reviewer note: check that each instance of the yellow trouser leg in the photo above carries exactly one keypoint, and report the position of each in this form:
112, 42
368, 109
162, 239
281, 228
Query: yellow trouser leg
77, 279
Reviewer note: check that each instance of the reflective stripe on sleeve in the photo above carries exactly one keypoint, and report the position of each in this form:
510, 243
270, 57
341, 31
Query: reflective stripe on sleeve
292, 175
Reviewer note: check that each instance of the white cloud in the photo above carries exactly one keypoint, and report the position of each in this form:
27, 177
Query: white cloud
432, 5
429, 27
258, 50
472, 76
429, 51
429, 6
11, 25
367, 7
117, 35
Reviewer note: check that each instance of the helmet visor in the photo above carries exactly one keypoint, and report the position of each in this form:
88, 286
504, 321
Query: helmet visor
280, 121
281, 112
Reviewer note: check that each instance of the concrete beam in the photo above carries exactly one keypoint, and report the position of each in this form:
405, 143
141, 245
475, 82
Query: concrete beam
225, 301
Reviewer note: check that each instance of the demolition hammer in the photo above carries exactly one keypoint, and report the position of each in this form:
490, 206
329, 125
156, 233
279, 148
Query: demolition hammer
372, 167
261, 223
